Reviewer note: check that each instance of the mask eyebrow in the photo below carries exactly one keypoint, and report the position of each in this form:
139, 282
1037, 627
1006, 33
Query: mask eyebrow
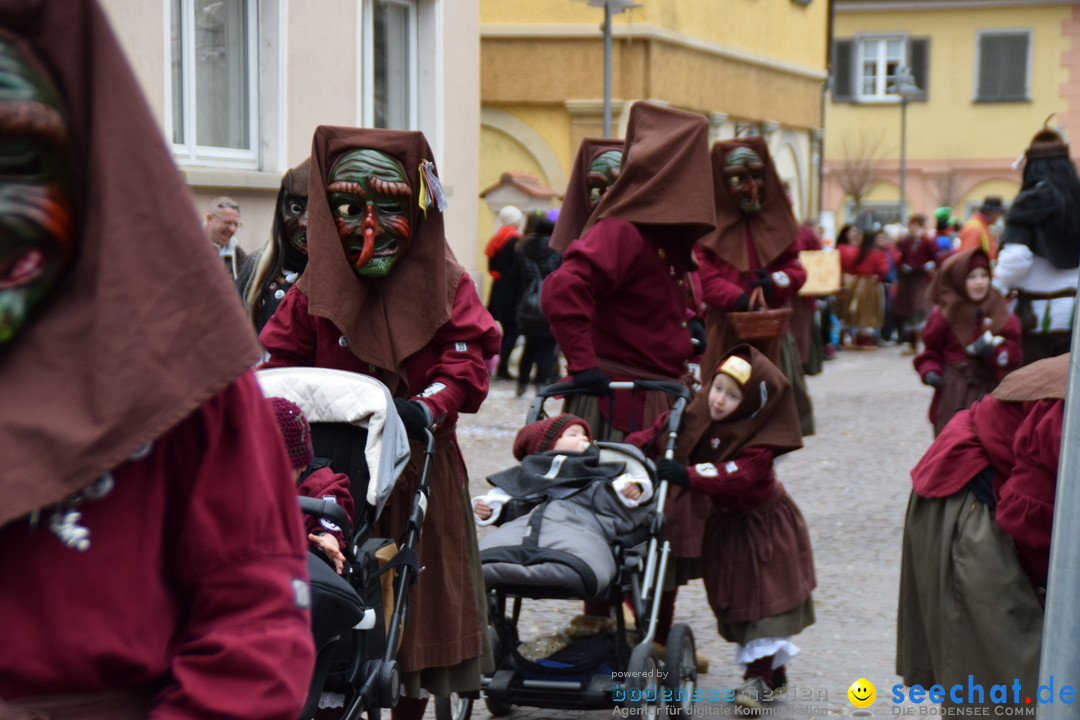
346, 186
390, 187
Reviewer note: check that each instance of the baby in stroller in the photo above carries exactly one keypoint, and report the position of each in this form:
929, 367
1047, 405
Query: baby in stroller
564, 434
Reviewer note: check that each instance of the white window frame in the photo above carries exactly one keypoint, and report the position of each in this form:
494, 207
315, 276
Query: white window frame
881, 92
366, 72
190, 153
979, 34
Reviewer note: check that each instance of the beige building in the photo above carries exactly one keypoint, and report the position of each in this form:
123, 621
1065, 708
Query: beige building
749, 66
239, 87
987, 74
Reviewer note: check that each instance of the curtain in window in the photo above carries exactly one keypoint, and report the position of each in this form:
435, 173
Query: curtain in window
393, 49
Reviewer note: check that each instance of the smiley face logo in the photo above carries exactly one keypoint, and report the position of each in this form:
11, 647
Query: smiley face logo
862, 693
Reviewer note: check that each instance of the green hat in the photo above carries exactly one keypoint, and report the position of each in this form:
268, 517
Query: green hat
942, 214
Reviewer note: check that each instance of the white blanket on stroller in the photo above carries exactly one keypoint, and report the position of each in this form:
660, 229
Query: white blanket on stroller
338, 396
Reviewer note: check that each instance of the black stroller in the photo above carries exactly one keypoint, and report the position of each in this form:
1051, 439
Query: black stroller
614, 667
357, 617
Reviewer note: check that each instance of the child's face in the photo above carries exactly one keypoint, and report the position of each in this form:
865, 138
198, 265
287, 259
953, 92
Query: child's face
977, 284
724, 397
573, 439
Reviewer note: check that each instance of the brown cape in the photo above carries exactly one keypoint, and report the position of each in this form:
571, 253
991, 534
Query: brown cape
1041, 380
773, 229
665, 177
145, 326
575, 212
766, 417
378, 317
947, 291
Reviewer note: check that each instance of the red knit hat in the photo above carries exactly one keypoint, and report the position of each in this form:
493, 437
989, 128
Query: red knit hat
540, 436
294, 430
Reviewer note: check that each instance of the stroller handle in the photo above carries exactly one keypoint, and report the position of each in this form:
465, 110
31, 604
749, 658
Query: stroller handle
680, 391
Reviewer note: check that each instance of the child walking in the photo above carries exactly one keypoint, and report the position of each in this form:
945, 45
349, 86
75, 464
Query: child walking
970, 341
731, 434
321, 483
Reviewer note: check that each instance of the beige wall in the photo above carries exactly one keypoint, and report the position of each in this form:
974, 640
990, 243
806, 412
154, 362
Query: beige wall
320, 84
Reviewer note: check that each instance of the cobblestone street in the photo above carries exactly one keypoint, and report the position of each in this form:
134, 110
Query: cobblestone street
851, 482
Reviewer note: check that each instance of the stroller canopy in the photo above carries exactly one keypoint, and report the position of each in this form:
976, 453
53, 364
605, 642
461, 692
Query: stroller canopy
338, 396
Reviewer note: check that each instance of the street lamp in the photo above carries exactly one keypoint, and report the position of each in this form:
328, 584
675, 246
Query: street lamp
905, 87
611, 7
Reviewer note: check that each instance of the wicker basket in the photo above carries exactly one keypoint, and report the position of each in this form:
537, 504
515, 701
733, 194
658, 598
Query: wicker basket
761, 321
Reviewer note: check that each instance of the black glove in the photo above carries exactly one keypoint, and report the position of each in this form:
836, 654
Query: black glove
742, 303
674, 472
933, 380
593, 381
697, 335
413, 416
764, 281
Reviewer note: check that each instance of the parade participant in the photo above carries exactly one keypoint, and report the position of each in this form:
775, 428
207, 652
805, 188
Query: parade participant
978, 526
730, 437
753, 245
971, 339
619, 304
978, 230
384, 296
596, 168
268, 274
1040, 254
534, 260
505, 288
320, 483
917, 260
865, 268
127, 398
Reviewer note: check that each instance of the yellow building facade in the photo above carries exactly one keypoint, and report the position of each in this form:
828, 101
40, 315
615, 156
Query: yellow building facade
749, 66
988, 73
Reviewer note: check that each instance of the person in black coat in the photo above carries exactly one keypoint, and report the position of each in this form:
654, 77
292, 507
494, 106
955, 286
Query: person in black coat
534, 260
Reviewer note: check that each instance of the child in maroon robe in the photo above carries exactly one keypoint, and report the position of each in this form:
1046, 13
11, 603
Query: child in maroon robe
970, 341
731, 434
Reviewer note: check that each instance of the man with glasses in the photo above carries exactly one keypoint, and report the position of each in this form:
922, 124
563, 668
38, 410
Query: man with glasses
222, 222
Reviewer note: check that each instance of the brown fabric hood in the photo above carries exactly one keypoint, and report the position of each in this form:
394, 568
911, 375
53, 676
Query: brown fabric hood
766, 417
379, 318
574, 212
773, 229
1041, 380
665, 177
145, 326
947, 290
295, 181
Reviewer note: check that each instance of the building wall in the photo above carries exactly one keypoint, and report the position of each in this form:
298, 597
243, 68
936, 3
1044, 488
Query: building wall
755, 63
320, 83
953, 141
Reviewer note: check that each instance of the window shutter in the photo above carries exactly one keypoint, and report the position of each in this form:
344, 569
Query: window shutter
1003, 67
919, 64
842, 66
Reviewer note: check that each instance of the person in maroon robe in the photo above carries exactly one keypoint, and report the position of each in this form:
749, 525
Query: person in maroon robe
620, 304
971, 340
135, 581
976, 542
917, 261
383, 296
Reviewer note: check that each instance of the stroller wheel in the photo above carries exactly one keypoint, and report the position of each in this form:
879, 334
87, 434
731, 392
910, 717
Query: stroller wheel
455, 707
680, 676
643, 696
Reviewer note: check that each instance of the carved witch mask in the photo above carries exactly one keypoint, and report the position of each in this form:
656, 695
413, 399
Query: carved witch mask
369, 196
603, 172
745, 175
294, 219
37, 236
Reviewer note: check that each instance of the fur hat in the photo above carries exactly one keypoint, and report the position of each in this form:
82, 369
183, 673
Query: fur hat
540, 436
992, 203
294, 430
1047, 144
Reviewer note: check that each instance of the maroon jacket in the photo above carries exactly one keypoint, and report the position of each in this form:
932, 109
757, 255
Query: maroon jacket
876, 262
325, 484
201, 545
620, 294
722, 283
449, 375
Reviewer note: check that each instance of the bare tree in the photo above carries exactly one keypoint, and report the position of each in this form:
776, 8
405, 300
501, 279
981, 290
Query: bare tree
947, 188
857, 171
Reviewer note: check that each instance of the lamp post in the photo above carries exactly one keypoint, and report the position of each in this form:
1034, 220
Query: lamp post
611, 7
905, 87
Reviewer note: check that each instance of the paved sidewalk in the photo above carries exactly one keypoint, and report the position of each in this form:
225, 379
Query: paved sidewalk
851, 482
